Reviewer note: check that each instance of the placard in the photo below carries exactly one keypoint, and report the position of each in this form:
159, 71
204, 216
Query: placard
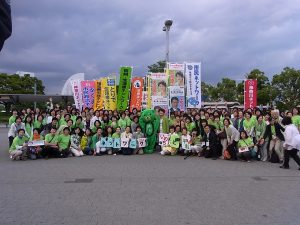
142, 142
133, 143
125, 142
164, 139
36, 143
103, 142
109, 142
117, 143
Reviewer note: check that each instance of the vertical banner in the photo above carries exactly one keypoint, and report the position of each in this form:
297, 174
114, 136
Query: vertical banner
250, 94
88, 91
159, 84
124, 88
112, 93
193, 84
105, 96
149, 103
175, 72
176, 99
97, 100
136, 93
77, 93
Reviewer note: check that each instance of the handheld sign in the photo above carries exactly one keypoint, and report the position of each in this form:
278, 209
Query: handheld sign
142, 142
124, 142
103, 142
117, 143
109, 142
163, 139
185, 144
133, 143
36, 143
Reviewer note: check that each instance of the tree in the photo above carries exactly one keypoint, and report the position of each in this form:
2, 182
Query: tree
15, 84
286, 88
226, 90
158, 67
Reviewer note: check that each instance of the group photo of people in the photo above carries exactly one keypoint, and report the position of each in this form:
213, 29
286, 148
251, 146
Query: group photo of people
235, 134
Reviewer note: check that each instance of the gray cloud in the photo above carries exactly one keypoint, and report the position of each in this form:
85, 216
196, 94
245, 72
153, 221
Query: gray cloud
55, 38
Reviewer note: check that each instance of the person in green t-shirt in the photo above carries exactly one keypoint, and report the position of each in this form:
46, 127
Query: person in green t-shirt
63, 142
122, 123
51, 147
12, 119
18, 149
173, 146
245, 146
117, 134
296, 118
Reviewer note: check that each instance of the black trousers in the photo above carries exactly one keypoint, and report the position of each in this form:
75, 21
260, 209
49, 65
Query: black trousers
51, 152
233, 149
293, 154
10, 140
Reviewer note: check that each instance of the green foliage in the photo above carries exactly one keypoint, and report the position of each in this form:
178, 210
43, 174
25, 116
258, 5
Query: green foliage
286, 88
158, 67
15, 84
227, 90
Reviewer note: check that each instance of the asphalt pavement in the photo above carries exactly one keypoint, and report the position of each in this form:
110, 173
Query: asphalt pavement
146, 190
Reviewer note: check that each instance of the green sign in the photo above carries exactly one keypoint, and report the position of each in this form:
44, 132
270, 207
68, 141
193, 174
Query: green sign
124, 88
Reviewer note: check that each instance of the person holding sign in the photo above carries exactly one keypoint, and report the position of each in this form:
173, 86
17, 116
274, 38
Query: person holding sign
185, 142
245, 146
35, 151
137, 135
97, 142
195, 143
125, 139
75, 147
173, 146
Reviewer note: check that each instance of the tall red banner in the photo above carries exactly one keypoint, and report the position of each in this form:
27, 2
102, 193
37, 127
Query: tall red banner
250, 94
136, 93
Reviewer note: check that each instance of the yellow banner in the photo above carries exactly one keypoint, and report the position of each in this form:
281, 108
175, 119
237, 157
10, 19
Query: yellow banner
97, 100
110, 93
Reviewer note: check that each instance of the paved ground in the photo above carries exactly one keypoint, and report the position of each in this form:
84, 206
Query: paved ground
146, 190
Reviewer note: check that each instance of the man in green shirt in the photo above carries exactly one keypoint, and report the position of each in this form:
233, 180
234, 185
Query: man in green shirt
63, 142
18, 148
51, 147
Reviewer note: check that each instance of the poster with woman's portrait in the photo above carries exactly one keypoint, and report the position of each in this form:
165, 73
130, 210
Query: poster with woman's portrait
176, 74
159, 84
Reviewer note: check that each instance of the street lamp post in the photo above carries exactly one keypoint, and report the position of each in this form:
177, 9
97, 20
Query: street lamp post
166, 28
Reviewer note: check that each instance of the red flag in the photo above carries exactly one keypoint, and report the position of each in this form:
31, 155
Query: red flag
136, 93
250, 94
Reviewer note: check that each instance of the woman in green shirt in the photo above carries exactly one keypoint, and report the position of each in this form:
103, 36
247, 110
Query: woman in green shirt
245, 145
117, 134
97, 125
12, 119
39, 123
19, 146
189, 124
29, 124
296, 118
248, 124
122, 123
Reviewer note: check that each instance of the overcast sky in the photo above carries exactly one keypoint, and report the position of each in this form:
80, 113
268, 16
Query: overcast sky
56, 39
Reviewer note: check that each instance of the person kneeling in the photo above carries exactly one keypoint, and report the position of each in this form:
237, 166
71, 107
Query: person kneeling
18, 148
245, 146
172, 147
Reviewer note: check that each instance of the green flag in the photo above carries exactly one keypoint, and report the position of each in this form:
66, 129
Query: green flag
124, 88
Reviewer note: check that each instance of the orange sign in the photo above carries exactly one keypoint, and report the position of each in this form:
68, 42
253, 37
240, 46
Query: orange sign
136, 93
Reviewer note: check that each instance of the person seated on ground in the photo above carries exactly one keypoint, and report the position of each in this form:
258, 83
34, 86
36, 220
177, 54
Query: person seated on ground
35, 151
173, 145
245, 146
63, 142
96, 142
86, 142
75, 147
126, 134
195, 143
136, 135
117, 134
211, 145
14, 128
51, 147
184, 140
18, 148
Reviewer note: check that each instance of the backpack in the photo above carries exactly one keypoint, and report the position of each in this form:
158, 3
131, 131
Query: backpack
227, 155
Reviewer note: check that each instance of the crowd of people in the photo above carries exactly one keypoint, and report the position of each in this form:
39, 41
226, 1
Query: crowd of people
233, 134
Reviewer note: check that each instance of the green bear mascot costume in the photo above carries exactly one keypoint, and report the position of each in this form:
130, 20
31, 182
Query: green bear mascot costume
149, 122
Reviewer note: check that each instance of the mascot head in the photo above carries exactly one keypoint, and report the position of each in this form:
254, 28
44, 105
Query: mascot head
148, 115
